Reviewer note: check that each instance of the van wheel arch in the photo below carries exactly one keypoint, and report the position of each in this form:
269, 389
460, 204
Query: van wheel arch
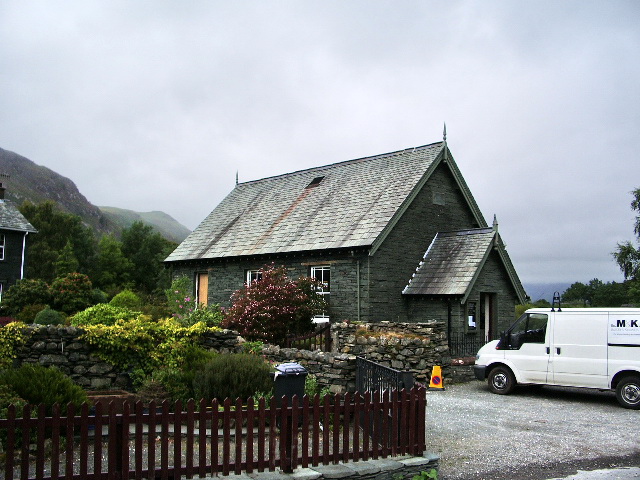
620, 375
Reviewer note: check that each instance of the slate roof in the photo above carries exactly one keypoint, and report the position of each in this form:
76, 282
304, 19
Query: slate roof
353, 204
12, 219
454, 260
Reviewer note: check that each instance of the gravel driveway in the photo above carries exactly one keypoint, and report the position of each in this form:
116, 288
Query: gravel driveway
534, 433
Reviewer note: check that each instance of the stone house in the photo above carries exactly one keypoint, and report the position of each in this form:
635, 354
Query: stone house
14, 239
393, 237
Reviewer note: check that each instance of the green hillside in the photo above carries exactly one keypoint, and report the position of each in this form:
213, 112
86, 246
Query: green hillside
170, 228
36, 183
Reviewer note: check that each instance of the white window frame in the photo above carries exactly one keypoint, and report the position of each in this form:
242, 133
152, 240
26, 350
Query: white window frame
252, 276
325, 289
3, 241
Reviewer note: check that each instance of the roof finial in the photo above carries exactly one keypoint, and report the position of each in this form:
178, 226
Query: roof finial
495, 223
444, 141
236, 177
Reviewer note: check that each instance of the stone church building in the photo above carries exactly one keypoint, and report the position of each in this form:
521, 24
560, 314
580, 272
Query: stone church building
393, 237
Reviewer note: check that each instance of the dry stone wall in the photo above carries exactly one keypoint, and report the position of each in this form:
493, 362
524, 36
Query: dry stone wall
416, 347
64, 348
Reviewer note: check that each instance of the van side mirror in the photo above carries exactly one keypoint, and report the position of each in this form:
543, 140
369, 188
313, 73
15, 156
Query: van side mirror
503, 342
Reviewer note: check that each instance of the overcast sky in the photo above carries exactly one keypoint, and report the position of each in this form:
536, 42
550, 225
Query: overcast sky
154, 105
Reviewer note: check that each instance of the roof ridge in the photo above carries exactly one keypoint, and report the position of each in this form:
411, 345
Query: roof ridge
344, 162
467, 231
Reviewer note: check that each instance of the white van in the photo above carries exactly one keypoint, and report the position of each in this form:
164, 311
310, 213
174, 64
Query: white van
573, 347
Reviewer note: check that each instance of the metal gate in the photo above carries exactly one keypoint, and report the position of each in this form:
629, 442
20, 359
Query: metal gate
371, 376
381, 380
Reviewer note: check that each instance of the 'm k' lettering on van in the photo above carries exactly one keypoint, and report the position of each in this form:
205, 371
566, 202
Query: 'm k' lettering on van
623, 323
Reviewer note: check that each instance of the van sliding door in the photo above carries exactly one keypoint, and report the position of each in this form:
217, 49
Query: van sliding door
579, 350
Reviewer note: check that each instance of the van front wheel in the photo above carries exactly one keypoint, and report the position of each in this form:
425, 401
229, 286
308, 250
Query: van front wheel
628, 392
501, 380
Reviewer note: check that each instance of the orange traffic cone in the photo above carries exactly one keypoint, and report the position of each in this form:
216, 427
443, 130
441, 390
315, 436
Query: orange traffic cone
436, 382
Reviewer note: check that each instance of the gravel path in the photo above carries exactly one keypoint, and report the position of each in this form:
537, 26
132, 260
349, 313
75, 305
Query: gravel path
535, 433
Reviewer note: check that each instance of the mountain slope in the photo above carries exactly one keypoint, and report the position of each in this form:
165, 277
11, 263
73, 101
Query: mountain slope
170, 228
35, 183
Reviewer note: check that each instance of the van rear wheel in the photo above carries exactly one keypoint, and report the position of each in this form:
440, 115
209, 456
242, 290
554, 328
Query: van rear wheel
628, 392
501, 380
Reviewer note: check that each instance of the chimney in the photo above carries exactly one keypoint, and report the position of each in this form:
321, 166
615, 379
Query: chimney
4, 178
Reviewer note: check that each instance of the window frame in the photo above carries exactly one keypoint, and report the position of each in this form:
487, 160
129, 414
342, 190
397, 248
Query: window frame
3, 245
471, 316
251, 276
324, 290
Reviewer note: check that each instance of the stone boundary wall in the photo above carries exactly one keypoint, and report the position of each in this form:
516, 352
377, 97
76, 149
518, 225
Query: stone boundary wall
416, 347
63, 348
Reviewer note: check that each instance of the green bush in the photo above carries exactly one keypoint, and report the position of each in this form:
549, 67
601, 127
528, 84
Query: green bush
103, 314
180, 300
98, 296
233, 376
28, 314
175, 383
142, 345
12, 337
49, 317
71, 293
37, 384
311, 387
211, 315
25, 292
126, 299
9, 397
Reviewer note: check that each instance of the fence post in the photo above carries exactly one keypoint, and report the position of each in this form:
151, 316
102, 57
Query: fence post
118, 450
406, 381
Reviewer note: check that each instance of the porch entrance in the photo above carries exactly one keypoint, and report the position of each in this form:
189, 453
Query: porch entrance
487, 315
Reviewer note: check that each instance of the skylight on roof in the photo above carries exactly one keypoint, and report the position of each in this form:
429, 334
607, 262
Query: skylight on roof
315, 182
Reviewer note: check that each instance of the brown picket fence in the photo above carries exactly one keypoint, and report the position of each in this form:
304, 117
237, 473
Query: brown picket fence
204, 439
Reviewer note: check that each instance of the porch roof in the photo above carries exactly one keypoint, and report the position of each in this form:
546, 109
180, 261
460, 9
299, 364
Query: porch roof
454, 260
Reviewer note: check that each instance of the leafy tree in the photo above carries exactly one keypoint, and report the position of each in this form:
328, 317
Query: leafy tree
113, 268
578, 292
146, 250
597, 294
611, 294
274, 307
26, 292
626, 255
55, 230
66, 262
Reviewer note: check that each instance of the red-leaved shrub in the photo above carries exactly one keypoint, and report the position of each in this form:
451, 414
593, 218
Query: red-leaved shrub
274, 307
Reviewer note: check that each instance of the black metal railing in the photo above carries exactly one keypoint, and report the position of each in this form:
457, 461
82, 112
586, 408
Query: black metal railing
371, 376
466, 344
